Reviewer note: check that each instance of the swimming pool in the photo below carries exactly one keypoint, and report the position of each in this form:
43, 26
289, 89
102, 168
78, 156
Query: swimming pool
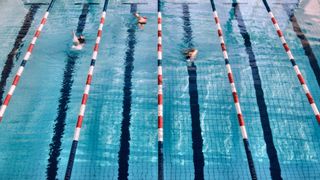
200, 121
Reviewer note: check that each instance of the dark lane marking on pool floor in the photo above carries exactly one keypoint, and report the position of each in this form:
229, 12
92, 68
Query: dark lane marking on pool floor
197, 141
38, 4
305, 44
55, 145
15, 52
124, 151
264, 117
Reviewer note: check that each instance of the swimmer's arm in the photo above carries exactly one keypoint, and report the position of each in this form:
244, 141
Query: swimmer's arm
136, 15
75, 38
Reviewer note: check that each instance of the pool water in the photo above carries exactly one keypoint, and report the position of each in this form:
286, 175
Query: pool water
200, 121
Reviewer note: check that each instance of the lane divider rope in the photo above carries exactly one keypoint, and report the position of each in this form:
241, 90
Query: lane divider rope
160, 96
15, 51
275, 168
293, 62
24, 61
85, 95
234, 94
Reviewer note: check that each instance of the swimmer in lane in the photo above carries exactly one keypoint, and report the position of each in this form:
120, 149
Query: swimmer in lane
142, 20
78, 42
191, 54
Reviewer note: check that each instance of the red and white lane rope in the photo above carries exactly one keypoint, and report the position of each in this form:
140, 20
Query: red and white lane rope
160, 97
296, 68
293, 62
89, 78
24, 62
235, 95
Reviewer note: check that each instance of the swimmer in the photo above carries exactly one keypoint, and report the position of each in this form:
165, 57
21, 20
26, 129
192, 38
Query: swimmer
191, 54
78, 42
142, 20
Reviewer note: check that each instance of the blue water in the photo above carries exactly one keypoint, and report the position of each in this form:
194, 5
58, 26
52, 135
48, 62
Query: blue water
55, 75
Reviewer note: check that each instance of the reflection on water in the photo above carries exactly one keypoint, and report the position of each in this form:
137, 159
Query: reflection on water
308, 15
312, 8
